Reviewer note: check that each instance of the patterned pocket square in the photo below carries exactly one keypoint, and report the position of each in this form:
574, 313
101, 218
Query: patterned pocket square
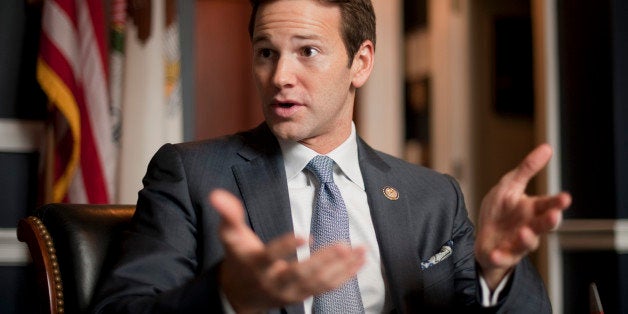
445, 252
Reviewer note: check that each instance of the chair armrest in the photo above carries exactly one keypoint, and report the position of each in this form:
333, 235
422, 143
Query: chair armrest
32, 231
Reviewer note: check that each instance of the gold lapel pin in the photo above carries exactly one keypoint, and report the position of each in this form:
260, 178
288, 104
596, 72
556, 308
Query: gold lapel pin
391, 193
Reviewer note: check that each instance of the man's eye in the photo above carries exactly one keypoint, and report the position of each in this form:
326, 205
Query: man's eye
309, 51
265, 53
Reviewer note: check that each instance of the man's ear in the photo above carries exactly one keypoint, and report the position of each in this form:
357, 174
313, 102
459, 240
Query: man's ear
363, 64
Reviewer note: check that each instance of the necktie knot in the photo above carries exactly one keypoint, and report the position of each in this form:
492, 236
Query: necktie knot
322, 167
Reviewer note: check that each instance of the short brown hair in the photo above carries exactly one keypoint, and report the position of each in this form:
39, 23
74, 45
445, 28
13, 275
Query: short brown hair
358, 22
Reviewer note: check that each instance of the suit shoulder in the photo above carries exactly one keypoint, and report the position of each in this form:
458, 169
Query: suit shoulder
418, 174
399, 164
248, 143
219, 145
192, 157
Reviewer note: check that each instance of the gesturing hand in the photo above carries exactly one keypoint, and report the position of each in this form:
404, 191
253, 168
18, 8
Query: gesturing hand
511, 222
255, 276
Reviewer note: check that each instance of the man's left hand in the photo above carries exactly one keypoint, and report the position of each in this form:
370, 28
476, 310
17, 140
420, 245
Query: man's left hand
512, 222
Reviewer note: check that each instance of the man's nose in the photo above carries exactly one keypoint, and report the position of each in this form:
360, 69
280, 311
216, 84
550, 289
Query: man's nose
284, 75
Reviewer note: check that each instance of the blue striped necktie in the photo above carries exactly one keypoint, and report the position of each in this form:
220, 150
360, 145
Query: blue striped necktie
330, 224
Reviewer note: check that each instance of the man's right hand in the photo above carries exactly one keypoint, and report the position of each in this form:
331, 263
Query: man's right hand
255, 276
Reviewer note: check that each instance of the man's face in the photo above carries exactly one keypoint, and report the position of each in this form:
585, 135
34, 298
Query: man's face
301, 71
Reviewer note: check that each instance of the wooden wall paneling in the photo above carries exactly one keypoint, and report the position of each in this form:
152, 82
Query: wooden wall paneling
226, 99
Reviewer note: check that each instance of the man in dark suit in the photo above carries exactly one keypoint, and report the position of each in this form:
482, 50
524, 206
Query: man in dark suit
245, 248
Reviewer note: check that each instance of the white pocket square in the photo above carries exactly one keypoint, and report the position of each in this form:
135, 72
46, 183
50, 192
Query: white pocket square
445, 252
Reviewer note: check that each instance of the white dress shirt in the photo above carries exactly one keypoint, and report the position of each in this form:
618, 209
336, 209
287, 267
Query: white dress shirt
348, 178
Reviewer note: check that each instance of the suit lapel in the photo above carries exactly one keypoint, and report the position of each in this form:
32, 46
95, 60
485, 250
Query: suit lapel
263, 185
264, 189
398, 244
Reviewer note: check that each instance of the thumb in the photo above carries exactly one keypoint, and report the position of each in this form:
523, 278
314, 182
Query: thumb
228, 207
234, 232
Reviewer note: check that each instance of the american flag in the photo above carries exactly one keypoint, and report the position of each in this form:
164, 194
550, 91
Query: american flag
72, 71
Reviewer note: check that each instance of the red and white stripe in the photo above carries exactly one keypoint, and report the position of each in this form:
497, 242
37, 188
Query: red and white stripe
72, 70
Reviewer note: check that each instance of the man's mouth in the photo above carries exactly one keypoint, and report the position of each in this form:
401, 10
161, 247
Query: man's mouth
285, 108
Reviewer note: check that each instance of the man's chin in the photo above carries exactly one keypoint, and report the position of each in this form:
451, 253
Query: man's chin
285, 132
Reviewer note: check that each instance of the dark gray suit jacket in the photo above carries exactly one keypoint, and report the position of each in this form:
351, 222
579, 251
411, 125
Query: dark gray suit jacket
170, 256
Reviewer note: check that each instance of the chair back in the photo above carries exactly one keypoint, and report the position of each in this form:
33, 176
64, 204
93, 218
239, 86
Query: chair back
70, 245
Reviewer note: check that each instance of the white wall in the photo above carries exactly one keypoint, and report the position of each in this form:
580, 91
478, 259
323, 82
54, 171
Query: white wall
381, 100
450, 118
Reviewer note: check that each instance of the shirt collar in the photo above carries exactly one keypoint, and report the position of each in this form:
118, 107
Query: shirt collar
296, 156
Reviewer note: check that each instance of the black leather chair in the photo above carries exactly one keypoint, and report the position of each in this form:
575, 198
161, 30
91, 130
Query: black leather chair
70, 245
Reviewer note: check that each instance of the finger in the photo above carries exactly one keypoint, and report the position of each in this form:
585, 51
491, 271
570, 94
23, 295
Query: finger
503, 259
509, 252
283, 247
302, 274
325, 270
339, 273
332, 266
528, 241
546, 222
532, 164
559, 201
548, 212
342, 256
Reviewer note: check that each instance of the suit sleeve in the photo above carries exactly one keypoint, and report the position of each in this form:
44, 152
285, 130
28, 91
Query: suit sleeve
525, 291
158, 267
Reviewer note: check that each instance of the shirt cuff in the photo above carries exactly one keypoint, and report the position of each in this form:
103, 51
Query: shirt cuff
226, 306
490, 299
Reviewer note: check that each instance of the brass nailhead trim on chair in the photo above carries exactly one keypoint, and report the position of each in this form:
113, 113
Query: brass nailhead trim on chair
50, 248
